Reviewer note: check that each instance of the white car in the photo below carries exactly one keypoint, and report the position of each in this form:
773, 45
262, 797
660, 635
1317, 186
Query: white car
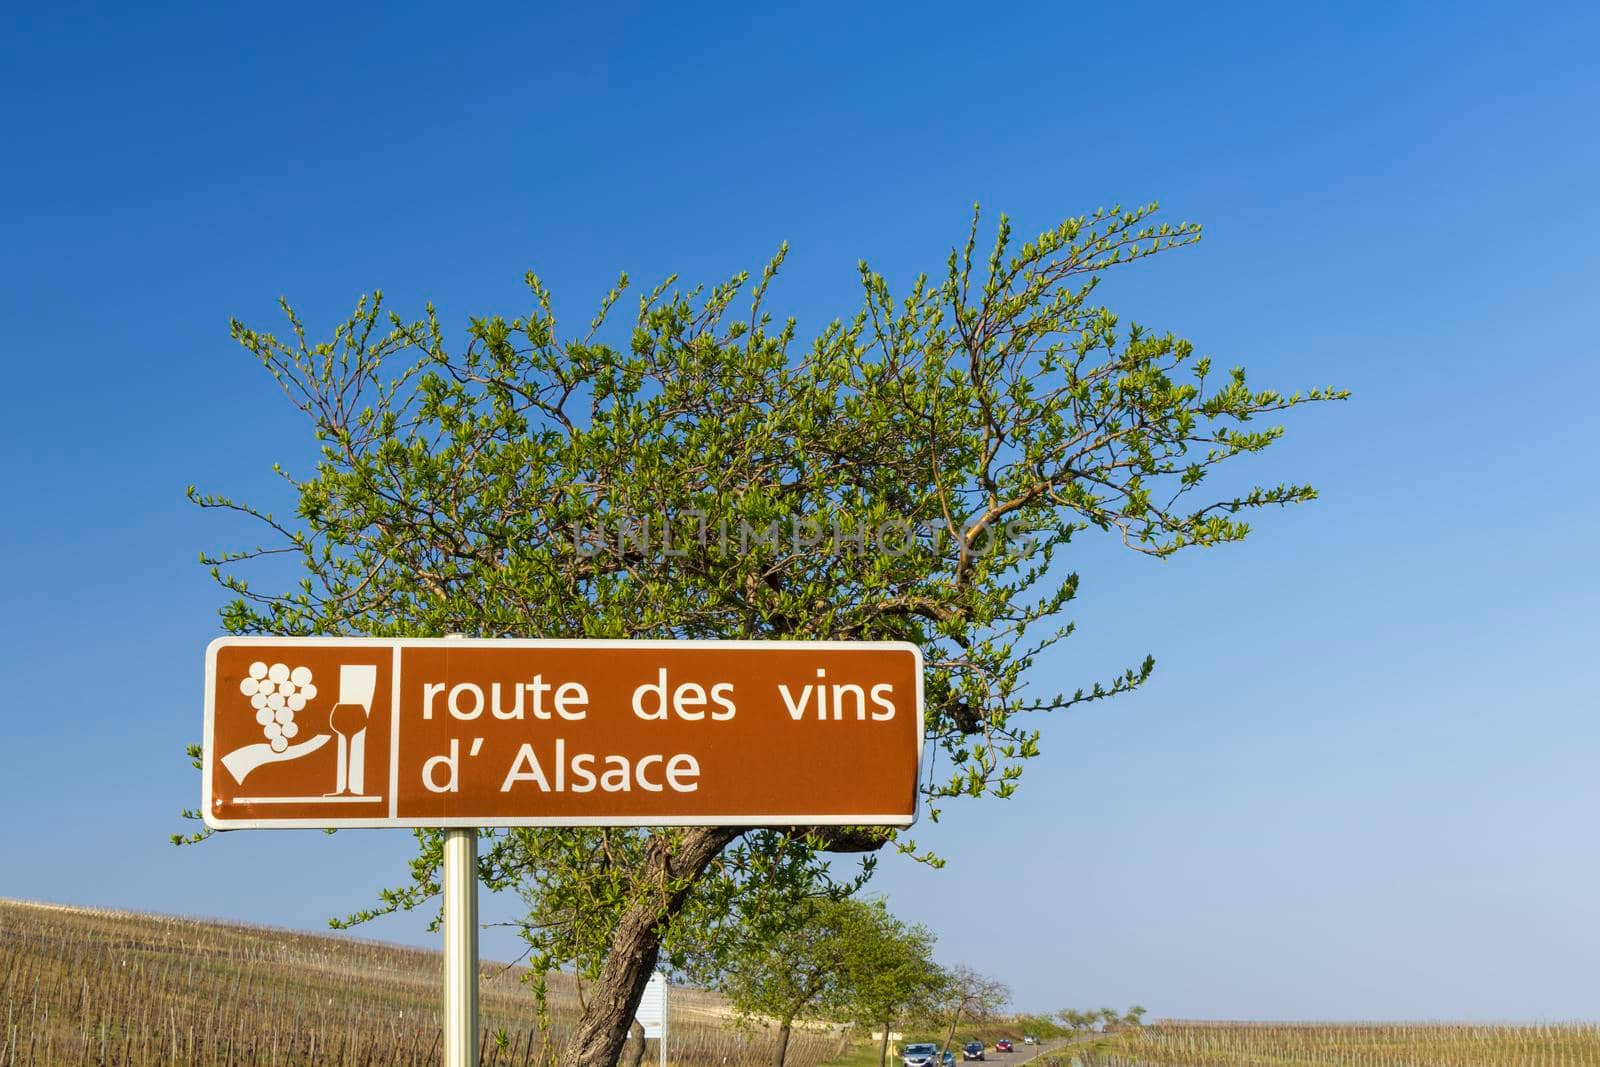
920, 1055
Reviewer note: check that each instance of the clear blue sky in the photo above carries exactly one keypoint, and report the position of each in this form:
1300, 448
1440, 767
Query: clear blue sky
1362, 783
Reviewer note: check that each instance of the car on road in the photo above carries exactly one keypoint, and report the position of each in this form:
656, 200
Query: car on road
1029, 1039
948, 1059
919, 1054
1003, 1045
972, 1050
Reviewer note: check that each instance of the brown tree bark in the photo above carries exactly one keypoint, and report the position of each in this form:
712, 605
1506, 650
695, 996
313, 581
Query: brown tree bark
951, 1036
635, 1050
597, 1039
783, 1042
883, 1050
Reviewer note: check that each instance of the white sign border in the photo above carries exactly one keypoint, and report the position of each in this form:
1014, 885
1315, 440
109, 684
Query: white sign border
391, 821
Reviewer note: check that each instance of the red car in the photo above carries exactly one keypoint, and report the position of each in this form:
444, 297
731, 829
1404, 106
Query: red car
1003, 1045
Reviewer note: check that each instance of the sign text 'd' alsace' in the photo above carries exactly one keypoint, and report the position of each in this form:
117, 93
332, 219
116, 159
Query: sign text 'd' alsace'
462, 732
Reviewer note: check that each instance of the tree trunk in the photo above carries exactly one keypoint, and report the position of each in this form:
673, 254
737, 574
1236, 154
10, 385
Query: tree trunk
635, 1049
597, 1039
954, 1020
883, 1050
783, 1042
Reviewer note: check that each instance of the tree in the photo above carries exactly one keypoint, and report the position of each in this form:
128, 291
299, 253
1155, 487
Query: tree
1108, 1018
891, 972
840, 960
966, 994
1078, 1020
524, 484
1039, 1026
799, 974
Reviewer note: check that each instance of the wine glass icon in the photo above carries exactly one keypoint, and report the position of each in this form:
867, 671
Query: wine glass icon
349, 720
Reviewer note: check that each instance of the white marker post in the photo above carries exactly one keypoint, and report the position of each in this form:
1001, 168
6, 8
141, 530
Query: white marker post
460, 886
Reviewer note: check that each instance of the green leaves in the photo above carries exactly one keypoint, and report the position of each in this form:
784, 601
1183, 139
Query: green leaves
830, 959
915, 473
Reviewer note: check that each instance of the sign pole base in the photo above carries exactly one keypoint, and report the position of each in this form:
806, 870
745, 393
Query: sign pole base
460, 885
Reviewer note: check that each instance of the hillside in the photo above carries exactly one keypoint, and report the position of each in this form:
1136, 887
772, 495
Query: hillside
1177, 1043
83, 985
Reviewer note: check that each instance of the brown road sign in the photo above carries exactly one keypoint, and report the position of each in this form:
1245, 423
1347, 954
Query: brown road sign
466, 732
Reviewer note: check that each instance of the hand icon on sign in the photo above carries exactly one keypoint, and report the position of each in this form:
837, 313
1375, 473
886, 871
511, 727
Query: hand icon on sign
276, 693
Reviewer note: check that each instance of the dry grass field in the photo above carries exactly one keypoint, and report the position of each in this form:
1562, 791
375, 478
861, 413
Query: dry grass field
1179, 1044
82, 986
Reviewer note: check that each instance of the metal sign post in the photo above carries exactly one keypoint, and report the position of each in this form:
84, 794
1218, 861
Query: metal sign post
460, 886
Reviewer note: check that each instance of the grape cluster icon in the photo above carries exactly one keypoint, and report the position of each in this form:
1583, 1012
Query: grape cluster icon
277, 692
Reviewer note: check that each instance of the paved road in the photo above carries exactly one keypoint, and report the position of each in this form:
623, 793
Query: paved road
1024, 1053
